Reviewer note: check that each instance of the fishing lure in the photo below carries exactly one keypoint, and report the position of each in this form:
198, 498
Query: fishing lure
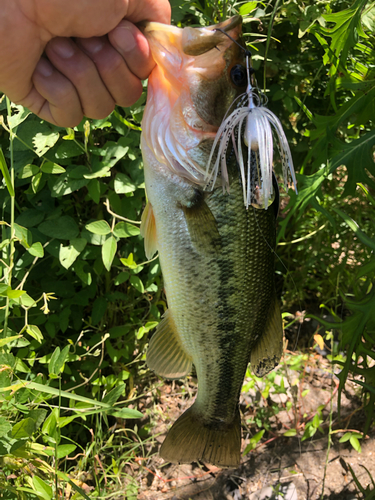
256, 126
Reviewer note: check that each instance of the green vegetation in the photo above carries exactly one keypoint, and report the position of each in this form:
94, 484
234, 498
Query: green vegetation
78, 297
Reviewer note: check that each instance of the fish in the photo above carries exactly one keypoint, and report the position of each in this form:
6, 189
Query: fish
216, 252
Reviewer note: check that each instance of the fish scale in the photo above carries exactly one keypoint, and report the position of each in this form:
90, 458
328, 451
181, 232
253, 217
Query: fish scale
216, 255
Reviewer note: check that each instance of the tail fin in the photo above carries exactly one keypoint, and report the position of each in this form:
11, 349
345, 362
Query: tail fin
190, 440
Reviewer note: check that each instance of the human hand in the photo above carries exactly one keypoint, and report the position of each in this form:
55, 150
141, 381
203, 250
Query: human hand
101, 66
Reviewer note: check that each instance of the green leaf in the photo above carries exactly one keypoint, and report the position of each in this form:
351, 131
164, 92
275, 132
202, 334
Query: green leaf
84, 275
69, 149
23, 429
37, 182
123, 184
52, 362
8, 340
98, 310
57, 361
43, 141
146, 328
94, 190
129, 261
99, 227
98, 170
42, 489
28, 171
247, 8
35, 332
63, 450
109, 251
30, 218
23, 235
3, 289
345, 437
5, 172
27, 301
52, 168
36, 250
355, 443
124, 230
137, 283
62, 228
38, 415
46, 389
253, 442
125, 122
5, 426
121, 278
355, 228
4, 243
66, 184
114, 151
17, 118
290, 433
126, 413
15, 294
368, 17
344, 34
68, 255
114, 395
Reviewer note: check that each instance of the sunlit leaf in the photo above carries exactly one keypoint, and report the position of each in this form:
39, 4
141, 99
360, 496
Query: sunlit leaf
99, 227
125, 229
109, 251
35, 332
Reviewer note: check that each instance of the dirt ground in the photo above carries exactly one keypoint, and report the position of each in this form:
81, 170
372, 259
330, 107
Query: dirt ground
279, 467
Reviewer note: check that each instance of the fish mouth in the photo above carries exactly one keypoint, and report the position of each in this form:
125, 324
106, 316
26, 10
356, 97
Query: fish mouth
191, 41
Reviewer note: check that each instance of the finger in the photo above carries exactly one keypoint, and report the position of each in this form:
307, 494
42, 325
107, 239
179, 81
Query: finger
53, 97
134, 48
124, 87
76, 66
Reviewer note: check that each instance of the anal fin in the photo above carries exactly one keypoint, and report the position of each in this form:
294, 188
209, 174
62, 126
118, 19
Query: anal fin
148, 231
266, 353
165, 354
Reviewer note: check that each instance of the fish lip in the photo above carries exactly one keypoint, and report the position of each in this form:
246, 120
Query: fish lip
194, 41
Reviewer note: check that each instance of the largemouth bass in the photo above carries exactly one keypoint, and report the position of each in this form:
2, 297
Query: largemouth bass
216, 255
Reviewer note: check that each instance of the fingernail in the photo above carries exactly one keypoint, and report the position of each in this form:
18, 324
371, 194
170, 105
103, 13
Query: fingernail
44, 67
124, 38
63, 47
92, 45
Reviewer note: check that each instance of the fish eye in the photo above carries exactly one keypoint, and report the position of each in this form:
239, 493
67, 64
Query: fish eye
238, 75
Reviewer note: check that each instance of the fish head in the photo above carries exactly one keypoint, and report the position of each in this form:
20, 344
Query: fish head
199, 73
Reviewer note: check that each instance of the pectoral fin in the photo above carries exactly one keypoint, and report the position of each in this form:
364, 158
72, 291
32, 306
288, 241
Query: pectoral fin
266, 353
148, 231
202, 227
165, 354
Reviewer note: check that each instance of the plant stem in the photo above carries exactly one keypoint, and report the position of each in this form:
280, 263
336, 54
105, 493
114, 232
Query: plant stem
12, 203
329, 428
268, 43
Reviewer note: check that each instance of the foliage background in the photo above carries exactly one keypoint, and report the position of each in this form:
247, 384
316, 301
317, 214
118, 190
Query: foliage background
77, 297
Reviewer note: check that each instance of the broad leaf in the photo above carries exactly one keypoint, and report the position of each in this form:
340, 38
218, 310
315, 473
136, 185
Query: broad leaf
125, 229
69, 254
99, 227
109, 251
62, 228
